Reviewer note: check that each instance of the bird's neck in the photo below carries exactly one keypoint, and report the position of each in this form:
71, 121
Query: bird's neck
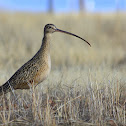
45, 47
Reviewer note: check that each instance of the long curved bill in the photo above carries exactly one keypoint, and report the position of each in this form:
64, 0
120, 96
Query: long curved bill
58, 30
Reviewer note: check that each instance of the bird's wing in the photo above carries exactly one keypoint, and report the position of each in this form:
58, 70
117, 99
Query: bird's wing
24, 74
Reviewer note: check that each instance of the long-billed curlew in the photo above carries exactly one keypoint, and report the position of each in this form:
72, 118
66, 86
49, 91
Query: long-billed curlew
36, 69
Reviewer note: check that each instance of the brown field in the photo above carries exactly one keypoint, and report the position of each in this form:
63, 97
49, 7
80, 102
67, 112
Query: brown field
86, 86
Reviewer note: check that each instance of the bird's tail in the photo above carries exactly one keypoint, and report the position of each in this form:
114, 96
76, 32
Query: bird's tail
5, 88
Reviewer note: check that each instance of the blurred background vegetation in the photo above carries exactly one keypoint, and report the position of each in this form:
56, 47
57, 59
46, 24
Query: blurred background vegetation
21, 33
104, 63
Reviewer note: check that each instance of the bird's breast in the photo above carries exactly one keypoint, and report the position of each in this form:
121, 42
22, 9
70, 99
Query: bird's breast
43, 71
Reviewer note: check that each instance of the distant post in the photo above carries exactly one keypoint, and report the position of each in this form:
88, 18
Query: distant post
82, 5
117, 6
50, 6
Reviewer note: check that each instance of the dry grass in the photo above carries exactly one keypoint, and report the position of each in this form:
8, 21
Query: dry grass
86, 85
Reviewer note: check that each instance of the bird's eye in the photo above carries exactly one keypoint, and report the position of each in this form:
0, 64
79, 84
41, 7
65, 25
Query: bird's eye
49, 27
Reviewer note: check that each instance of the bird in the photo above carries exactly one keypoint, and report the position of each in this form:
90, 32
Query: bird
38, 67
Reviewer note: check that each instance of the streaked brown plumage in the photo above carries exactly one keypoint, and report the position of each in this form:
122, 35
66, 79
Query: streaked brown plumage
36, 69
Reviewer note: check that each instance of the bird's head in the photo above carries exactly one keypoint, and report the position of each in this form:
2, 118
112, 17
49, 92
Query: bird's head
51, 28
